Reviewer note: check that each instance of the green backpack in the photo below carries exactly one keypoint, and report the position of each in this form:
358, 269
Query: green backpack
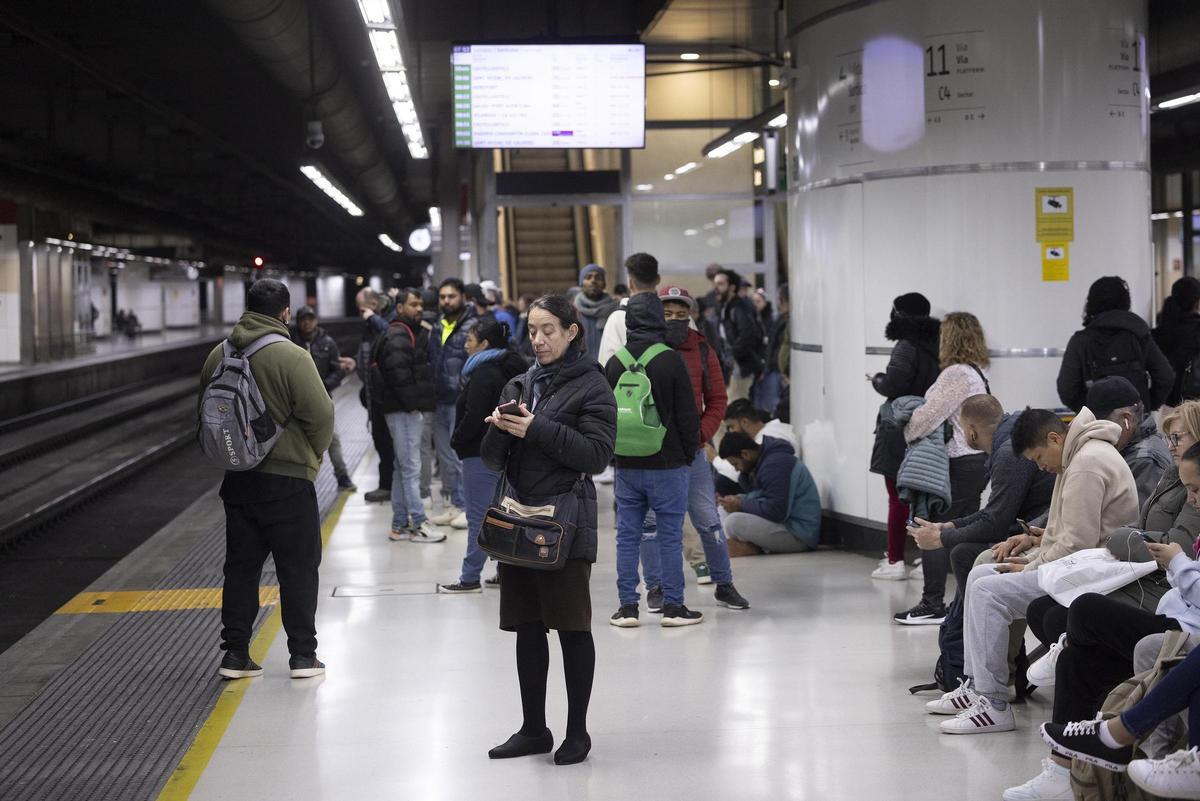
640, 430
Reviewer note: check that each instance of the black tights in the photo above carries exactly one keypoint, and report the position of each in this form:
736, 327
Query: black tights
533, 662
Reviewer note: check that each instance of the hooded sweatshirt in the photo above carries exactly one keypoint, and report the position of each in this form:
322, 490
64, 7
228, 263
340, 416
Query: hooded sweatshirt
293, 392
1093, 495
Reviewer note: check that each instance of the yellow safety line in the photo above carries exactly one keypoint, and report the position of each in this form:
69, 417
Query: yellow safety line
187, 773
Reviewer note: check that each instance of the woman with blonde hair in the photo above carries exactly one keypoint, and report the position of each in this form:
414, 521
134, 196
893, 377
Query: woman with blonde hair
963, 354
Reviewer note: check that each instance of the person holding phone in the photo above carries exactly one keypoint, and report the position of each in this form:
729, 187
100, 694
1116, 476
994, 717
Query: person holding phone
553, 424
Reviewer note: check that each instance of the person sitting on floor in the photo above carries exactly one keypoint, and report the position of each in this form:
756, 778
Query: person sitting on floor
779, 510
742, 416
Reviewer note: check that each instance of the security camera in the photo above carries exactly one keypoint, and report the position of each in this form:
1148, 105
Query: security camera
315, 136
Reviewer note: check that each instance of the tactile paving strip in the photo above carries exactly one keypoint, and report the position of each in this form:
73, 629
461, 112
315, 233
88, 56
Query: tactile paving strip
115, 723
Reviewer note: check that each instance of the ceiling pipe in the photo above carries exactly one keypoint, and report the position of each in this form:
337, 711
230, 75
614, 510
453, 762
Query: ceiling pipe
303, 59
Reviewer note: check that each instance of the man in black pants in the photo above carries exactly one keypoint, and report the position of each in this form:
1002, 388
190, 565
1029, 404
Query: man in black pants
377, 312
271, 510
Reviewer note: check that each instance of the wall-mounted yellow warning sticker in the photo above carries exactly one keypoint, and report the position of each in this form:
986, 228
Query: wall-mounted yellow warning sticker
1056, 261
1055, 213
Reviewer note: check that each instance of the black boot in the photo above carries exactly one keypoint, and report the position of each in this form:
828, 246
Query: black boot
519, 745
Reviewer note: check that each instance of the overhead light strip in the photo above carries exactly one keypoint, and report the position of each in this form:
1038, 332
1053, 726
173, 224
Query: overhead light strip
390, 243
327, 186
1176, 102
746, 132
385, 42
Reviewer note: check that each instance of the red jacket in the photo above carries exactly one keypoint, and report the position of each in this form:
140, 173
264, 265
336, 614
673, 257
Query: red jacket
710, 400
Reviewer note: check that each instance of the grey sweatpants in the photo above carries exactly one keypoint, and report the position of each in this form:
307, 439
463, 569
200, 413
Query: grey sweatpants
994, 601
770, 536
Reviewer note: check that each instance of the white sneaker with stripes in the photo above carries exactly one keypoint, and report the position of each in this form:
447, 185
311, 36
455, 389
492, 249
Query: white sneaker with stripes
954, 701
980, 718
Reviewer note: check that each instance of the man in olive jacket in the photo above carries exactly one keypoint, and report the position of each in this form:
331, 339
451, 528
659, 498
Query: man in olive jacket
272, 509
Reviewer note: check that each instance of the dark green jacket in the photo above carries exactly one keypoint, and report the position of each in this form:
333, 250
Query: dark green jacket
291, 388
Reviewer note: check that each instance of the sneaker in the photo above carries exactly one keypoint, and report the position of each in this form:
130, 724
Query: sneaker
890, 571
1176, 776
626, 617
674, 616
981, 717
728, 597
654, 600
459, 588
459, 521
378, 496
702, 574
446, 517
345, 484
427, 533
1052, 784
493, 582
606, 476
305, 667
1041, 672
1081, 740
238, 666
923, 614
400, 535
955, 701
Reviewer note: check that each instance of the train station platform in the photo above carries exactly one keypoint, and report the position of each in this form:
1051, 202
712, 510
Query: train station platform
801, 697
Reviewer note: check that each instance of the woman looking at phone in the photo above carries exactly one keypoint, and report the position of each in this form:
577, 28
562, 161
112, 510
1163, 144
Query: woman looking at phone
553, 425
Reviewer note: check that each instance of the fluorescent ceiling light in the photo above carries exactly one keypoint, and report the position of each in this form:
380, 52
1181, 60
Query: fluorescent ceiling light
396, 84
689, 56
724, 150
644, 187
773, 82
778, 122
746, 136
327, 186
387, 50
669, 176
376, 13
435, 218
1176, 102
686, 168
1162, 215
389, 242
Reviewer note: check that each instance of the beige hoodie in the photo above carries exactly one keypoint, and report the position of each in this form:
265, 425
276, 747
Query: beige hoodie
1093, 496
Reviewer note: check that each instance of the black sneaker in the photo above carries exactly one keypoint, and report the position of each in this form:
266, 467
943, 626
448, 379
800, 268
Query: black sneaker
378, 496
493, 582
626, 617
1081, 740
654, 600
459, 588
923, 614
728, 596
680, 616
236, 665
305, 667
346, 485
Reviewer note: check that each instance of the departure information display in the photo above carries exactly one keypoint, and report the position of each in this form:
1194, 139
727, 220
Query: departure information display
549, 96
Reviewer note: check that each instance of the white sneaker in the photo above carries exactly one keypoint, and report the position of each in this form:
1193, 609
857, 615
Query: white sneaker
890, 571
448, 514
605, 476
1175, 776
427, 533
1041, 672
400, 535
980, 718
459, 521
1052, 784
955, 701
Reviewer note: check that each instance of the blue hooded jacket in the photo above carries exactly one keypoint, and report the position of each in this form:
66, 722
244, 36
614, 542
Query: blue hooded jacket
447, 359
783, 491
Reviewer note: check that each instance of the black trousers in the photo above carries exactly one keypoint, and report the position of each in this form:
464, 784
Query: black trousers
968, 477
290, 530
1101, 636
381, 436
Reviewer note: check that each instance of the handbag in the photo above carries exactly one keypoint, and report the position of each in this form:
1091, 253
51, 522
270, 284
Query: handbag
530, 532
1089, 570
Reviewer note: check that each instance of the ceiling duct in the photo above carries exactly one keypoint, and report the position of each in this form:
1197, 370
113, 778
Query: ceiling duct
304, 60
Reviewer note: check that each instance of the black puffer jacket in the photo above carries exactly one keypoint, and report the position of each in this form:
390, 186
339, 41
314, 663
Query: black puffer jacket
911, 370
573, 431
1179, 340
743, 337
399, 371
1109, 335
448, 358
478, 398
325, 355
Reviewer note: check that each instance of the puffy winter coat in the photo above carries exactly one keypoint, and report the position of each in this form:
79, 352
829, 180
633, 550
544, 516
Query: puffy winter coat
447, 358
1121, 336
478, 398
399, 370
923, 481
911, 370
742, 336
708, 385
325, 355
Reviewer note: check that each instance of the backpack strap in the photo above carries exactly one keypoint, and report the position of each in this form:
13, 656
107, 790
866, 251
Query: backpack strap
705, 381
260, 343
626, 358
986, 386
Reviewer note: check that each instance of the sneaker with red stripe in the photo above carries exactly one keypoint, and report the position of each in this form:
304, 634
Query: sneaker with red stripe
954, 701
980, 718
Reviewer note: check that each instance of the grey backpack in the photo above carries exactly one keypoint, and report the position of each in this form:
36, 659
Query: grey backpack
236, 431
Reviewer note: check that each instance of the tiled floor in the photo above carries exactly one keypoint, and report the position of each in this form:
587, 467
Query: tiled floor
803, 696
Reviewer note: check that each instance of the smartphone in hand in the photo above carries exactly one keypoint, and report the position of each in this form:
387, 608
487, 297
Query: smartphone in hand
512, 409
1024, 526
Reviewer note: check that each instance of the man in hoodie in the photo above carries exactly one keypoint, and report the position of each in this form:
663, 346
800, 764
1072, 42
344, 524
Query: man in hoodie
1019, 491
447, 355
1113, 342
332, 368
642, 269
1094, 493
594, 306
1117, 400
658, 482
271, 510
377, 311
779, 508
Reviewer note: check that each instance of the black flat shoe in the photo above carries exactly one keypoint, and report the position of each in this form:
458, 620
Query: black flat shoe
572, 752
519, 745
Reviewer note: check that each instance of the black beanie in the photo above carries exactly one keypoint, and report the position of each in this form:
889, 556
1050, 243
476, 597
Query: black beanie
913, 304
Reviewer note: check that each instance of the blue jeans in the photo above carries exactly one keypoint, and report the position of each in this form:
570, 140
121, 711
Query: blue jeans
443, 427
406, 476
702, 509
767, 391
479, 486
639, 491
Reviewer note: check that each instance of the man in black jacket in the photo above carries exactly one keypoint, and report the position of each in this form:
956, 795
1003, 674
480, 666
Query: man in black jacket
447, 355
332, 368
377, 312
401, 381
741, 335
658, 482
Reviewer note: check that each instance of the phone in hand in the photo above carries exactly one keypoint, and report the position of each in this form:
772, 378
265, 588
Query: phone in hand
512, 409
1024, 526
1147, 537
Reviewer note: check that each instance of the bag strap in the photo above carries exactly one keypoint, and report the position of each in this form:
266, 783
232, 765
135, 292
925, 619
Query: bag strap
983, 378
705, 381
260, 343
626, 358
